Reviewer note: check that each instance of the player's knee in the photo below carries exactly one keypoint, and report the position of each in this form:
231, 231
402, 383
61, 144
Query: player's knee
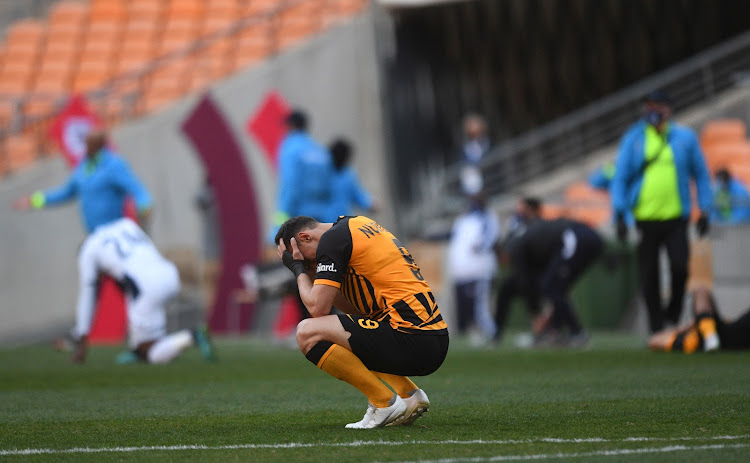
306, 335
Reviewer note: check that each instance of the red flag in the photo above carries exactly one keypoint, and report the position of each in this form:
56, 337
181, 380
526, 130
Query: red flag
72, 126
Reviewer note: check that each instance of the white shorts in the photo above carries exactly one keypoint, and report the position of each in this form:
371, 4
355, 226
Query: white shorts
147, 315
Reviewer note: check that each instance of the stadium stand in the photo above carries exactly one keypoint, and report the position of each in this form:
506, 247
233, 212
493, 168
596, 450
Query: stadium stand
725, 144
131, 57
723, 131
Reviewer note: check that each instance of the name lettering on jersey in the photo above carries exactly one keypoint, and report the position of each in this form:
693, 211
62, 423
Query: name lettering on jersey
326, 268
371, 229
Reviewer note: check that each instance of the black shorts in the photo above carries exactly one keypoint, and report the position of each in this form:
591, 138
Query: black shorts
385, 350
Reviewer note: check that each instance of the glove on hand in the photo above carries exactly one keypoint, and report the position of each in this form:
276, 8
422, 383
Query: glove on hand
296, 266
702, 226
622, 228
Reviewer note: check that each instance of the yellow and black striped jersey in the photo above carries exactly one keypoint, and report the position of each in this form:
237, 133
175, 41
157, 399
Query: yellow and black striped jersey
378, 275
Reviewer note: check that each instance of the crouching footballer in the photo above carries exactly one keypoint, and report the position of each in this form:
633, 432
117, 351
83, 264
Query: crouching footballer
391, 327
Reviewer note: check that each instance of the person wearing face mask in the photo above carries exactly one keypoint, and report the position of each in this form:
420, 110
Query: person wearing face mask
656, 161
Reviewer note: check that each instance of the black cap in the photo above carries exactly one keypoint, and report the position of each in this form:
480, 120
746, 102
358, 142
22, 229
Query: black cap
296, 119
659, 96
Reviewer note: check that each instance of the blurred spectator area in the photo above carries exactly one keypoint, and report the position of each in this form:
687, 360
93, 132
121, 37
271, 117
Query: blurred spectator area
725, 145
132, 57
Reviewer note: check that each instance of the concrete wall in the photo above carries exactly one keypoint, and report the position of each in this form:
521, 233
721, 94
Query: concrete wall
334, 77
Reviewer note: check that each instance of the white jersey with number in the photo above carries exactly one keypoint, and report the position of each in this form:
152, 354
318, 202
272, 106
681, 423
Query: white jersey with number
124, 251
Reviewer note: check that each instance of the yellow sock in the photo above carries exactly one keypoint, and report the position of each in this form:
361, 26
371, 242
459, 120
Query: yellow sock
342, 364
401, 384
707, 327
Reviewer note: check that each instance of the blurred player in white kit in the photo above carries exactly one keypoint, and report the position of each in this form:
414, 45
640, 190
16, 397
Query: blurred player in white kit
124, 251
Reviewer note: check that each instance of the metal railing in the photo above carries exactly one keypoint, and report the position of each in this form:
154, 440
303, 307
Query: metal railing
573, 137
127, 90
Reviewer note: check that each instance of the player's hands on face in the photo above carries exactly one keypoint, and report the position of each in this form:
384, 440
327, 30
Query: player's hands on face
293, 259
295, 252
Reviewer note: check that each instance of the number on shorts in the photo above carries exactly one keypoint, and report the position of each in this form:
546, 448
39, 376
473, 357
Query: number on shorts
368, 324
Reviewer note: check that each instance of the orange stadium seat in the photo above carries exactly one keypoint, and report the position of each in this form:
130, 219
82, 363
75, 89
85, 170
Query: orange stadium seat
54, 77
134, 55
16, 76
132, 62
167, 84
336, 10
350, 7
24, 43
594, 216
94, 65
107, 10
727, 154
147, 8
583, 193
8, 110
25, 33
58, 50
741, 173
554, 211
214, 61
214, 24
220, 14
177, 34
298, 22
40, 108
224, 8
190, 10
254, 7
723, 131
90, 79
103, 32
12, 83
252, 45
141, 28
64, 35
68, 12
139, 44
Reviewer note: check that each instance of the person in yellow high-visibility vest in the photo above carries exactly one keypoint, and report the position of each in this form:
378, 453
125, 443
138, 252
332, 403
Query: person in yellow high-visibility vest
656, 161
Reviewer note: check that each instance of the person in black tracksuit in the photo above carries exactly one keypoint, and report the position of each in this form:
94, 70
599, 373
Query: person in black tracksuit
547, 257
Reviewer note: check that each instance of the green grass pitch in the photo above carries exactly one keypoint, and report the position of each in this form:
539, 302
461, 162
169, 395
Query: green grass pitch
614, 402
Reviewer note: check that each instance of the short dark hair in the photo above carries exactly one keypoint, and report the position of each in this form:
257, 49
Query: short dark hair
291, 227
723, 175
659, 96
341, 151
297, 120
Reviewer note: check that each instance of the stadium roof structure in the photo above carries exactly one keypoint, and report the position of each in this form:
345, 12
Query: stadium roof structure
415, 3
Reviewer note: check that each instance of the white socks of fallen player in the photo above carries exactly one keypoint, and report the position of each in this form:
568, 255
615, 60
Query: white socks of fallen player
167, 348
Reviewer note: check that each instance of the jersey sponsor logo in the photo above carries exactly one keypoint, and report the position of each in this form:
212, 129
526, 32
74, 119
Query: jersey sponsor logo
326, 268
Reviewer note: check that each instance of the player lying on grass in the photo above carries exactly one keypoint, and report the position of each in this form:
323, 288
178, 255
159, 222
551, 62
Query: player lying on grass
707, 332
124, 251
392, 326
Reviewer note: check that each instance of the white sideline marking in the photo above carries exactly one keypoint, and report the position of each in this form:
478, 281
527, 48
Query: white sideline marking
598, 453
360, 443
